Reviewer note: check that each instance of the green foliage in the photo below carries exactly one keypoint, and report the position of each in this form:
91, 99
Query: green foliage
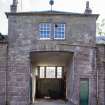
101, 27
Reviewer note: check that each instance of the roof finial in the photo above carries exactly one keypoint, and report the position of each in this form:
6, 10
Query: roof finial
14, 6
51, 3
88, 10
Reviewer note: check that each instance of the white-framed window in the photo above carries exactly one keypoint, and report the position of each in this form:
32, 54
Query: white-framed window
59, 31
52, 31
45, 30
42, 72
50, 72
59, 72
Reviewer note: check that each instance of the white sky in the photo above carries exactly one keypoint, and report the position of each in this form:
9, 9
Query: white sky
97, 6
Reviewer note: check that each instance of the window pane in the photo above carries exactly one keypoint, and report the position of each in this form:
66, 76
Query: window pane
59, 72
36, 72
45, 30
41, 72
50, 72
59, 31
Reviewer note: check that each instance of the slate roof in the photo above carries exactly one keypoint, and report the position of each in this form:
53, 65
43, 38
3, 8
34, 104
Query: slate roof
100, 39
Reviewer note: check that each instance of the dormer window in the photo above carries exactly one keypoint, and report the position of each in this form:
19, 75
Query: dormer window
52, 31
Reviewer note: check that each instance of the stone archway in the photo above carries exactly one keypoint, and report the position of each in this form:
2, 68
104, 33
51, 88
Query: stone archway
53, 59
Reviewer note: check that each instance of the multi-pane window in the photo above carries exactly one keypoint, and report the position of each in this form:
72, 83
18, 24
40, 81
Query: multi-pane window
50, 72
41, 75
45, 30
51, 31
59, 31
59, 72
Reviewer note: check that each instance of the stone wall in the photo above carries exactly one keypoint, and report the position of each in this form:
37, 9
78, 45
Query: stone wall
18, 77
101, 73
24, 38
24, 29
85, 69
3, 69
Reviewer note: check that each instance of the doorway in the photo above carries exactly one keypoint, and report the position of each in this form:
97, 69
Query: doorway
84, 92
51, 75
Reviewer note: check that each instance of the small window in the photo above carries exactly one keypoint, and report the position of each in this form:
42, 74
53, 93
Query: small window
36, 72
50, 72
45, 30
42, 72
59, 31
59, 72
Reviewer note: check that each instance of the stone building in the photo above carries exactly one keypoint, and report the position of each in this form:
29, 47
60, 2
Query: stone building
51, 55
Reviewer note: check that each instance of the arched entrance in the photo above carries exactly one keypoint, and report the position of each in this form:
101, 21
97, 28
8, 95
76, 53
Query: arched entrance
50, 74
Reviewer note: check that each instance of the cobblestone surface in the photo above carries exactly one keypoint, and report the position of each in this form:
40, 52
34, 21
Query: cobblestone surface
50, 102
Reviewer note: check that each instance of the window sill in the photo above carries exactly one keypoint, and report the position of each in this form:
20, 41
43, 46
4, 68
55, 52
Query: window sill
53, 39
59, 39
45, 39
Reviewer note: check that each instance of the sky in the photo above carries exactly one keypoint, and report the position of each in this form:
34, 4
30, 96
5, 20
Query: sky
97, 6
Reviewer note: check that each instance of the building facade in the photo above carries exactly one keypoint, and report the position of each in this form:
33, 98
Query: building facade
52, 54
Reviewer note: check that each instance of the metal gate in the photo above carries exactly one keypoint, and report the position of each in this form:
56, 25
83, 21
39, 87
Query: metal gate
52, 88
50, 85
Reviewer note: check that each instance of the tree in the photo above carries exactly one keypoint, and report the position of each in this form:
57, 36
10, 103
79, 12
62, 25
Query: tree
101, 27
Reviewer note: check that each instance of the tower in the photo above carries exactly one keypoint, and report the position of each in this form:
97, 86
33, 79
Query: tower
14, 6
